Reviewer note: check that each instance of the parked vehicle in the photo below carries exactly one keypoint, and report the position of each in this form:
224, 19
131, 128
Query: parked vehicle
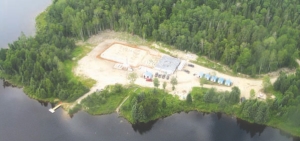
168, 77
149, 79
159, 75
156, 74
187, 71
163, 76
191, 65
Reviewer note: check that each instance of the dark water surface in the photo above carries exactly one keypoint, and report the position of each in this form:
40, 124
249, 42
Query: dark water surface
17, 16
24, 119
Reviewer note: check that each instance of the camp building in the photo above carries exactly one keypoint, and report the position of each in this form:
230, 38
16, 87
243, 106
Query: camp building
167, 64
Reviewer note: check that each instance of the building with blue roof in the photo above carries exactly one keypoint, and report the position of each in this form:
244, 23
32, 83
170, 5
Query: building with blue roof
221, 80
214, 78
200, 74
207, 76
148, 75
228, 82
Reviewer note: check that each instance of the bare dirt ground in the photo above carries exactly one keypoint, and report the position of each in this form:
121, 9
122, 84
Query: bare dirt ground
103, 72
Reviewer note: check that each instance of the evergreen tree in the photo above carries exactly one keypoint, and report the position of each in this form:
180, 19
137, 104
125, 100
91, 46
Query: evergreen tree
156, 82
134, 112
189, 98
173, 82
164, 85
164, 103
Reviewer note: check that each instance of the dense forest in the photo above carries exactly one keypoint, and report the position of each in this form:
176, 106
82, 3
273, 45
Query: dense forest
250, 36
38, 65
287, 104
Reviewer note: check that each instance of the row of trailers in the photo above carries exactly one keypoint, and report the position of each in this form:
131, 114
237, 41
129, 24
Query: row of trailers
216, 79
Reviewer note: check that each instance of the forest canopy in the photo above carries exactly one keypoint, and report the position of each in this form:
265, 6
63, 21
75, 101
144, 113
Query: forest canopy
250, 36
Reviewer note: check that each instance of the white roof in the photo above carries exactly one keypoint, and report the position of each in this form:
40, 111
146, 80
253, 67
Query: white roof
167, 64
181, 65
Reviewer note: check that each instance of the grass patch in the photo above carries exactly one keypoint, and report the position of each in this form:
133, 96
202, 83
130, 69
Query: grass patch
75, 109
78, 53
106, 101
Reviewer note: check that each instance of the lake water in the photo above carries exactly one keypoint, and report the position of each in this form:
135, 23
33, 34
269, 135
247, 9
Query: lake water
17, 16
24, 119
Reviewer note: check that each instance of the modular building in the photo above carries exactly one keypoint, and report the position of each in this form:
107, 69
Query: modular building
200, 74
181, 65
148, 75
207, 76
221, 80
228, 82
214, 78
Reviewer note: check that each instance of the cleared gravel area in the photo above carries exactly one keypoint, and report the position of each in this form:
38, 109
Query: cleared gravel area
102, 70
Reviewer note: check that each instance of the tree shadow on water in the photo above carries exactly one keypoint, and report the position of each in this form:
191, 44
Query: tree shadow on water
219, 115
283, 133
251, 128
143, 127
45, 104
296, 138
7, 84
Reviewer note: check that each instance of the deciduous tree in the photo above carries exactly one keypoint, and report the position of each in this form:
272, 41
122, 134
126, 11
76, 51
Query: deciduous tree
173, 82
156, 82
132, 77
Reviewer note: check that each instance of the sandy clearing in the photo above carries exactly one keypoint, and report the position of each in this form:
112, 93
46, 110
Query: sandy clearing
124, 54
103, 72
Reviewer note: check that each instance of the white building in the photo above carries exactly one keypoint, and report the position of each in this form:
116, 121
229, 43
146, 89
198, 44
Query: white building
167, 64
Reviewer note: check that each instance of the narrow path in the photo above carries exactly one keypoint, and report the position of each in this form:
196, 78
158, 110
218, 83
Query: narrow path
118, 109
78, 101
92, 90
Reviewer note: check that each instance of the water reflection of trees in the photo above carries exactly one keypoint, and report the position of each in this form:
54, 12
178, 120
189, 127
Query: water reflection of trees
45, 104
219, 115
143, 127
251, 128
6, 84
283, 133
296, 139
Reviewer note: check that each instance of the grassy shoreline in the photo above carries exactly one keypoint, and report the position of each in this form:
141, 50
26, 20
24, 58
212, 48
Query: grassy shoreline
14, 83
174, 105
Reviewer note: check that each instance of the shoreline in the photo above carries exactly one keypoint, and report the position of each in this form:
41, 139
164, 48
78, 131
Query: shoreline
120, 115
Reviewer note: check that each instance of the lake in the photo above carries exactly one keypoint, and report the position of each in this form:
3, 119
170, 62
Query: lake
17, 16
24, 119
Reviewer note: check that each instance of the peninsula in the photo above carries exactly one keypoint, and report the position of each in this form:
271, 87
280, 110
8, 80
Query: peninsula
150, 59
